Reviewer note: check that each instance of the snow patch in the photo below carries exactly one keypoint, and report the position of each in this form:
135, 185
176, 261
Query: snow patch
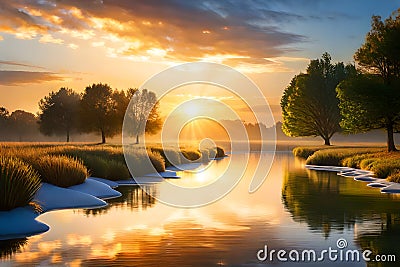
97, 189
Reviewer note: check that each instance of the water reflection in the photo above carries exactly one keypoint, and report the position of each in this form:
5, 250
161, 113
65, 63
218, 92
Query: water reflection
327, 202
381, 236
9, 247
294, 209
134, 198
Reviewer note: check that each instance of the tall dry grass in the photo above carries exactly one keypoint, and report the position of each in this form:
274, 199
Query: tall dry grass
107, 161
376, 159
60, 171
18, 183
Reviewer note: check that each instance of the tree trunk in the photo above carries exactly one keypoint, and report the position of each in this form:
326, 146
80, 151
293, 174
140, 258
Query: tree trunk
390, 139
103, 137
327, 141
67, 136
137, 139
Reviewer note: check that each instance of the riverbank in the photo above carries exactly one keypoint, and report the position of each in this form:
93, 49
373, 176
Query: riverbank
38, 178
382, 164
22, 222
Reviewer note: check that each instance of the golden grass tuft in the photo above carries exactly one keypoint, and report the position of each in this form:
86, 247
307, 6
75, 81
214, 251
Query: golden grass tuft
376, 159
61, 171
106, 161
18, 183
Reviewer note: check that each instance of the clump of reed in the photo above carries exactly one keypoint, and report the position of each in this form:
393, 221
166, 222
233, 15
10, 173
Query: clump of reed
117, 170
220, 152
157, 161
18, 183
394, 177
189, 156
305, 152
171, 156
60, 171
144, 161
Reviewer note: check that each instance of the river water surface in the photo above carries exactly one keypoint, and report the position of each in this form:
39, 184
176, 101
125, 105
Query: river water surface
295, 209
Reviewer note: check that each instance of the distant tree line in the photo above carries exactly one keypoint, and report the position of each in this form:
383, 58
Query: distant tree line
255, 131
332, 98
99, 109
18, 125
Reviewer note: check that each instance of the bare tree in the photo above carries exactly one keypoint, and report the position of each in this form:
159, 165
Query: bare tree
143, 113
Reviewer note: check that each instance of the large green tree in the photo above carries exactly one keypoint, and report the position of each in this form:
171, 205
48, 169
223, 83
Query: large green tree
101, 110
367, 103
372, 100
309, 104
58, 113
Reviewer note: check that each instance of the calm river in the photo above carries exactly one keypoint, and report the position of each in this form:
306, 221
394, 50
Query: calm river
295, 209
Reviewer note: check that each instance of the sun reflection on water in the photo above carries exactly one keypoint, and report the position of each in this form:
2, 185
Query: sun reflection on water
137, 230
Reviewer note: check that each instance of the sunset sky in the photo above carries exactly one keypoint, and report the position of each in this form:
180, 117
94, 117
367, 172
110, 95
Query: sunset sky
48, 44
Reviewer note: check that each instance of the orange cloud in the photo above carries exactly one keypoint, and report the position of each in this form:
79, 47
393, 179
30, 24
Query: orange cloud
12, 78
48, 38
19, 64
158, 30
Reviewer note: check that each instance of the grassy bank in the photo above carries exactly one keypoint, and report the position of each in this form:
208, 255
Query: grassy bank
23, 165
376, 159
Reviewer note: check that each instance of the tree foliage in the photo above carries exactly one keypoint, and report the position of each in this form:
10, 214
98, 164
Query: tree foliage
309, 104
4, 113
367, 103
100, 110
143, 114
372, 100
4, 116
59, 112
380, 54
18, 126
23, 124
